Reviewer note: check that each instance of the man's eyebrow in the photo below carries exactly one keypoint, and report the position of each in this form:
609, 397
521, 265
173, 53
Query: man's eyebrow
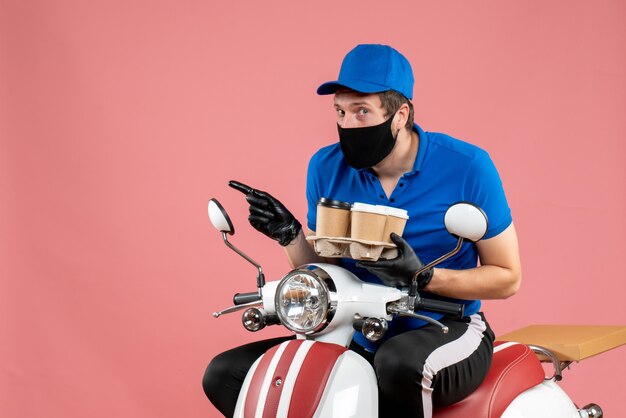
352, 104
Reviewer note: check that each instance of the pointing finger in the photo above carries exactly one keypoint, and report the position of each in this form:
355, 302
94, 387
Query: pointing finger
245, 189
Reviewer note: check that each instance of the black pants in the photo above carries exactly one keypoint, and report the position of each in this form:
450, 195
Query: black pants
417, 370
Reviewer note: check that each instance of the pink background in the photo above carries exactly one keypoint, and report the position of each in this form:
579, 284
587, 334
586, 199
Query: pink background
120, 119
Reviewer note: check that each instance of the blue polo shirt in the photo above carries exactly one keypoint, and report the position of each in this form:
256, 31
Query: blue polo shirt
446, 171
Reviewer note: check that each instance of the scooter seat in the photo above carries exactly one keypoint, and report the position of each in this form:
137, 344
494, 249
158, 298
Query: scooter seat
514, 369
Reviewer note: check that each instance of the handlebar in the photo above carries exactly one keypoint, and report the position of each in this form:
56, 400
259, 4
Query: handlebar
455, 310
243, 298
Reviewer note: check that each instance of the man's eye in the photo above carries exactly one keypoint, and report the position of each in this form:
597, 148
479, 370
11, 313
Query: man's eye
363, 111
340, 113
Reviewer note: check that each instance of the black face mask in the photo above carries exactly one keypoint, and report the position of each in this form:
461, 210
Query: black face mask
366, 147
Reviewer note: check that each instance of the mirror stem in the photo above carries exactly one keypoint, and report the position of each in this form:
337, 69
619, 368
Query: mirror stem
260, 280
413, 288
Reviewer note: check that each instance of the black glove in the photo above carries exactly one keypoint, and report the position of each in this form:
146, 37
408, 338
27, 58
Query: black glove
268, 215
399, 272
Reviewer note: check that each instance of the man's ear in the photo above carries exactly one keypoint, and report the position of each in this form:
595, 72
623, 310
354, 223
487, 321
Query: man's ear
402, 115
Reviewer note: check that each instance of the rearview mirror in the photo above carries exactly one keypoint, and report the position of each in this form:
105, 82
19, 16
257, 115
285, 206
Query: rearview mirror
463, 220
219, 218
466, 220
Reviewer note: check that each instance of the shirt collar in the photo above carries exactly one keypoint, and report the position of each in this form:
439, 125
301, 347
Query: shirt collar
421, 150
421, 153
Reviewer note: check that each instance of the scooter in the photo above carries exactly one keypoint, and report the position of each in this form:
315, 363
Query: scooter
315, 375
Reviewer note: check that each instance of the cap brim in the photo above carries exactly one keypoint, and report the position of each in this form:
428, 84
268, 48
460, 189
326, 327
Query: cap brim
332, 86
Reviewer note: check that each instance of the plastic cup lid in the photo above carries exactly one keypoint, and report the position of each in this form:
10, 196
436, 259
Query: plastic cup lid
364, 207
397, 212
329, 203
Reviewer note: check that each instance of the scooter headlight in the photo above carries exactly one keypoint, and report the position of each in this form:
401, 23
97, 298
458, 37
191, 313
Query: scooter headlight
303, 302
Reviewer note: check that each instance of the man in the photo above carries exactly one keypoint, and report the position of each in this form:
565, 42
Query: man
384, 158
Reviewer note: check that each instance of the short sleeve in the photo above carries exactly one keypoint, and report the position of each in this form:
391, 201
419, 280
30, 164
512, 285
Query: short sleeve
483, 187
313, 191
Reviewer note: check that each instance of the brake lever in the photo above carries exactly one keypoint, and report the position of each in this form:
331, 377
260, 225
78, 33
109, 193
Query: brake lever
237, 308
403, 312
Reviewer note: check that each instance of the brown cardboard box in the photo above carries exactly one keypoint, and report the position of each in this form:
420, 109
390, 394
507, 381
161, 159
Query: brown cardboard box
570, 342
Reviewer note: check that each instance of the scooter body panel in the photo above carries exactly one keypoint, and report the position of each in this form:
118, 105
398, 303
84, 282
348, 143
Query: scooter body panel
308, 379
546, 400
351, 391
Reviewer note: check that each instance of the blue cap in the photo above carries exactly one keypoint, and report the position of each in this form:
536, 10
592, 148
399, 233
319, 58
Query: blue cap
373, 69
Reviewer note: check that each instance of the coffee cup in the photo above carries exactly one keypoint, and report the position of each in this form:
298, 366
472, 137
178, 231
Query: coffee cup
367, 222
396, 221
333, 218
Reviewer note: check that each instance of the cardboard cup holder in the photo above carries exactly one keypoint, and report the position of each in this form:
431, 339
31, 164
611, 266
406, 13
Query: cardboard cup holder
359, 231
338, 247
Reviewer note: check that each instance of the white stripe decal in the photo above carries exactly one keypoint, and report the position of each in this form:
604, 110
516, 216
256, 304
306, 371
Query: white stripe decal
290, 379
241, 400
449, 354
503, 346
267, 380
